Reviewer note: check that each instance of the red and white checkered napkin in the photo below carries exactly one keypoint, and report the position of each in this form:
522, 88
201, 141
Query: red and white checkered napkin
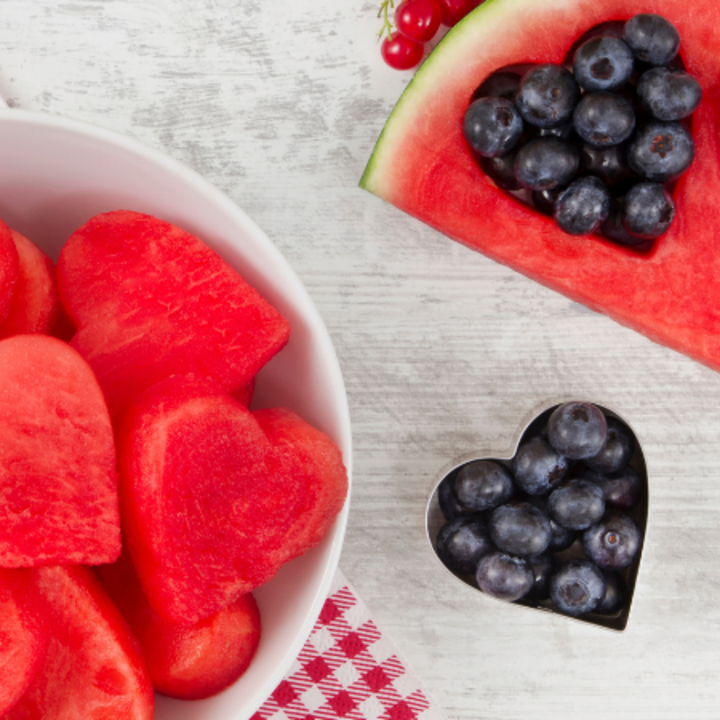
348, 669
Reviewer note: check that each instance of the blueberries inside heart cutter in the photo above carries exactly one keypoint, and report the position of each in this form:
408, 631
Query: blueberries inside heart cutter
436, 519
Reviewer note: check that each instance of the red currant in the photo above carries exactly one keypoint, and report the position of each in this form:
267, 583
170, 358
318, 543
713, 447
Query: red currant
453, 11
400, 52
418, 20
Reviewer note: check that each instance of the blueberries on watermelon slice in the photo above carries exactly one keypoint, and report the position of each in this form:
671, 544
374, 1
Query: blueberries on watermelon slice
661, 151
583, 206
492, 126
648, 210
547, 95
668, 93
552, 131
604, 119
609, 164
653, 39
546, 163
603, 63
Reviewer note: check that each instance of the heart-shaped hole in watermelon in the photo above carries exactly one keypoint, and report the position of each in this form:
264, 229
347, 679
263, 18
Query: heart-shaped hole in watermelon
621, 500
608, 167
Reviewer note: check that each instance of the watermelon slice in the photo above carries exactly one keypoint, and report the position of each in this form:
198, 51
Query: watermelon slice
150, 300
422, 165
58, 486
23, 635
188, 663
34, 305
93, 669
209, 500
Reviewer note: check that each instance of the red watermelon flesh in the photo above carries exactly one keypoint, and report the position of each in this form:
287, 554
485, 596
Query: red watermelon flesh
207, 499
8, 268
422, 165
312, 454
188, 663
34, 305
58, 486
93, 669
151, 300
23, 635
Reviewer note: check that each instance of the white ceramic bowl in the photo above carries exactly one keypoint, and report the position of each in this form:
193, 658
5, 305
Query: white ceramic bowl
54, 175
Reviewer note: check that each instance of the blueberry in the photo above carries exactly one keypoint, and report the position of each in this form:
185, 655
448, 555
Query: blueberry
653, 39
561, 538
616, 593
603, 118
547, 95
622, 489
483, 484
577, 587
577, 505
603, 63
613, 228
607, 163
503, 83
582, 206
492, 126
501, 170
448, 501
504, 576
538, 467
462, 542
577, 430
546, 163
617, 450
660, 151
668, 94
519, 528
648, 210
544, 200
542, 567
613, 543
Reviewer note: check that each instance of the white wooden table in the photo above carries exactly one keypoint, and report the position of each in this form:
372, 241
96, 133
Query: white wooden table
278, 103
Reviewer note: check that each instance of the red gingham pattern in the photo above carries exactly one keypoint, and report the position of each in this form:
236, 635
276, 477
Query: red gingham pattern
348, 669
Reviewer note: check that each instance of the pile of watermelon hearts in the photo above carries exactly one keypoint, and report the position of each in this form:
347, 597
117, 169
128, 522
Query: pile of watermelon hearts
141, 500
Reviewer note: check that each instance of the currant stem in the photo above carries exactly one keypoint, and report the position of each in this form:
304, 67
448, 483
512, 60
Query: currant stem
385, 7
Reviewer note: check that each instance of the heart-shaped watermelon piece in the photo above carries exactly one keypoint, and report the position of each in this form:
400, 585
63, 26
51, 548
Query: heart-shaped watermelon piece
150, 300
23, 635
625, 492
215, 500
93, 667
35, 304
9, 264
58, 483
422, 165
184, 662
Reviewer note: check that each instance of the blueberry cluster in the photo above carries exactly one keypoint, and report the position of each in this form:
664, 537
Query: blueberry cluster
595, 142
555, 525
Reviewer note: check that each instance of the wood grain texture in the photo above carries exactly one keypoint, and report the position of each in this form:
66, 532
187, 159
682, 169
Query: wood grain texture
278, 103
